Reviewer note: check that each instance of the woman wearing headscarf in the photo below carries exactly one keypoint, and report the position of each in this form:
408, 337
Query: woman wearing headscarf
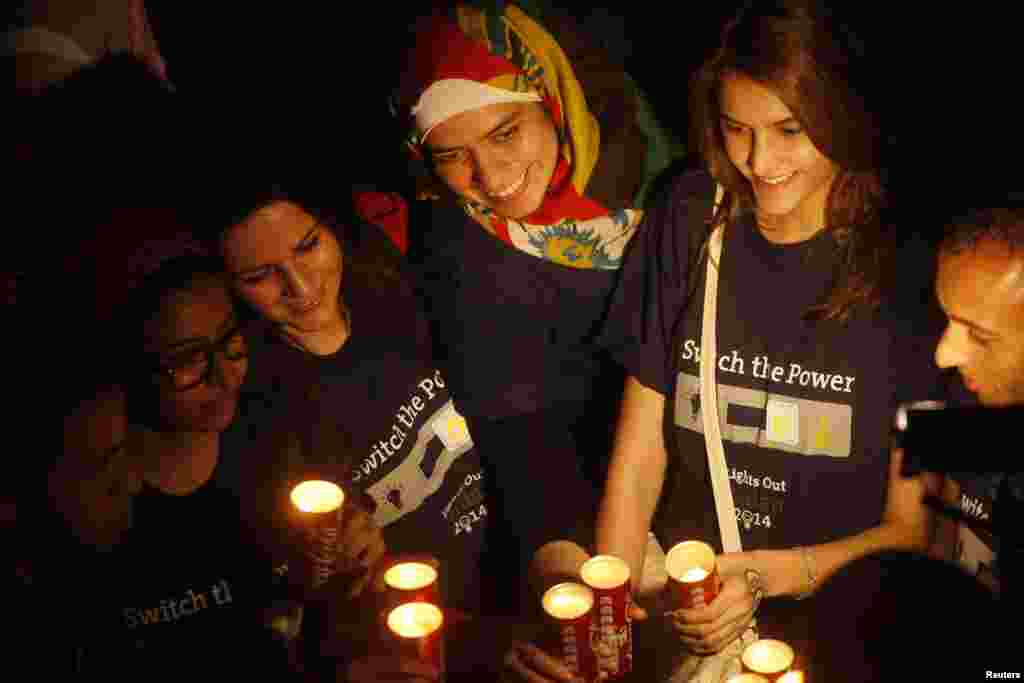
532, 145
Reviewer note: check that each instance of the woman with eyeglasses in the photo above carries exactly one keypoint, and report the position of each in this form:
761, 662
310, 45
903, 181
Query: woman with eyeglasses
189, 577
192, 584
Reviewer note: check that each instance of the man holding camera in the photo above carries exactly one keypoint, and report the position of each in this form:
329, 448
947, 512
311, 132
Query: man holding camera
980, 287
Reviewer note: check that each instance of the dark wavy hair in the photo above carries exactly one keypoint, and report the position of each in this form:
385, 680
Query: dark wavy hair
371, 260
808, 60
145, 302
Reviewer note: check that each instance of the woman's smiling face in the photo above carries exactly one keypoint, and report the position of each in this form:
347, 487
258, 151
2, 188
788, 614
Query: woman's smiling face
789, 176
287, 266
501, 156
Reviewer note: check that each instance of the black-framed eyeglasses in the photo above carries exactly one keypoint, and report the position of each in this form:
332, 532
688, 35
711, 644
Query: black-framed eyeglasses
191, 368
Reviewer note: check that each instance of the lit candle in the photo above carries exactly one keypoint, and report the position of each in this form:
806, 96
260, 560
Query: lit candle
320, 502
410, 576
747, 678
792, 677
571, 608
767, 657
568, 601
693, 575
604, 572
608, 577
415, 619
693, 578
317, 496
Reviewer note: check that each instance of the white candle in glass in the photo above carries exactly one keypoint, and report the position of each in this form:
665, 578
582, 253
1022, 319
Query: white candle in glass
415, 619
317, 496
410, 575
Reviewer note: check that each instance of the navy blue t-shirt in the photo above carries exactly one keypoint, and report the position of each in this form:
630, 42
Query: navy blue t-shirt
805, 406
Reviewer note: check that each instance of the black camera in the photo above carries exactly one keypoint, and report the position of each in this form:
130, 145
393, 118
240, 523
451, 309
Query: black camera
968, 442
959, 440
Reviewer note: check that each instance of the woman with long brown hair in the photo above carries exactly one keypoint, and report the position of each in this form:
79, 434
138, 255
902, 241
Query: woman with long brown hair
812, 353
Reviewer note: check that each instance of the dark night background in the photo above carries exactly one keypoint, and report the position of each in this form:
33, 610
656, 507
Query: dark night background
312, 78
943, 79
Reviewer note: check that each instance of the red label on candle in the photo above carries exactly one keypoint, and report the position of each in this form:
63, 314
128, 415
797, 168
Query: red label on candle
692, 574
417, 627
612, 634
570, 606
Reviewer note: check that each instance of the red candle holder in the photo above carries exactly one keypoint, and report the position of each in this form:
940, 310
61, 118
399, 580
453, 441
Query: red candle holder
692, 574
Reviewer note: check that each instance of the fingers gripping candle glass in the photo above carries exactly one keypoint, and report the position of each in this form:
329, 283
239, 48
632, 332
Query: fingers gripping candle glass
692, 574
571, 608
320, 503
612, 638
769, 658
418, 628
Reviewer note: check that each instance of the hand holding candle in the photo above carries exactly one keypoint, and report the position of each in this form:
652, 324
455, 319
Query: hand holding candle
695, 573
692, 574
360, 546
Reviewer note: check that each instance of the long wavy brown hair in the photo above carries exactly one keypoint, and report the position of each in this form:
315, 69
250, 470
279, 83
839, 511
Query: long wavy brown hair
808, 60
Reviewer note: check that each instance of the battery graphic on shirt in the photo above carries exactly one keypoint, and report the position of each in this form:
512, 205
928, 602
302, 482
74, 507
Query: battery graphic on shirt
422, 472
769, 420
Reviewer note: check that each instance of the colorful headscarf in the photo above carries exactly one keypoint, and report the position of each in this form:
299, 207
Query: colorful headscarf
470, 58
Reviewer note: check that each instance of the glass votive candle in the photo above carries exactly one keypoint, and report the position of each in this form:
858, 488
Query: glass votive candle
570, 607
769, 658
608, 577
747, 678
319, 503
412, 581
792, 677
692, 574
417, 629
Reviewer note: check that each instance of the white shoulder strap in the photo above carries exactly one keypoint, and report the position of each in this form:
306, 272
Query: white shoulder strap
709, 408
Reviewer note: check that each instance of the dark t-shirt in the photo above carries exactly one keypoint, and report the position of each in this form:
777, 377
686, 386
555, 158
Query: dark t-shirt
184, 592
381, 420
512, 332
977, 545
805, 407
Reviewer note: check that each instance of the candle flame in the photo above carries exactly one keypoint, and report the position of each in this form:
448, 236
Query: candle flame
693, 575
604, 572
768, 656
690, 556
568, 601
415, 619
410, 575
317, 496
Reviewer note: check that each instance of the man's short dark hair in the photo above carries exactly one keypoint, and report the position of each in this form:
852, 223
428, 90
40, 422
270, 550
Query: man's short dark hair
1004, 224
